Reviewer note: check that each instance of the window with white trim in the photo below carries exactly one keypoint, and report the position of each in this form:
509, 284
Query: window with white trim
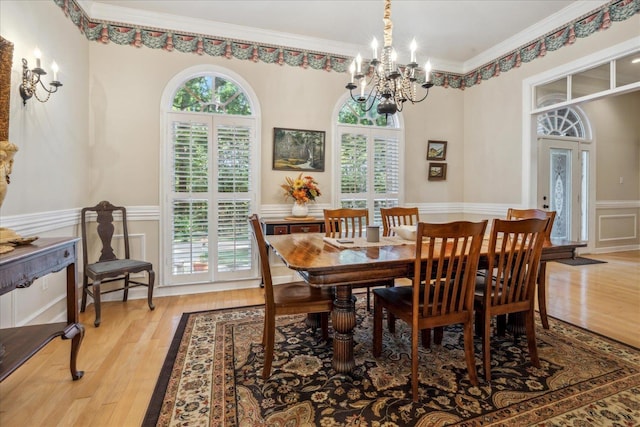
369, 146
210, 186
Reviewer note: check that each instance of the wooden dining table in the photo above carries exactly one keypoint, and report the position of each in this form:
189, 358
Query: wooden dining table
320, 263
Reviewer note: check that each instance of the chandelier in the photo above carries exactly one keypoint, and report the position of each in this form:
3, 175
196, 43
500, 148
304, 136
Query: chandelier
386, 82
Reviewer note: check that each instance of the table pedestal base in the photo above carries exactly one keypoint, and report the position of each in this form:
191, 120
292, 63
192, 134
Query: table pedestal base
343, 318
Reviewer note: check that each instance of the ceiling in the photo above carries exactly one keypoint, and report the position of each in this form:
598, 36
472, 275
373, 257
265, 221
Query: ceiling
457, 35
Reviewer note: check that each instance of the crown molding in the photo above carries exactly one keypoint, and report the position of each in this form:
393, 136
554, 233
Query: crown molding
104, 24
572, 12
130, 16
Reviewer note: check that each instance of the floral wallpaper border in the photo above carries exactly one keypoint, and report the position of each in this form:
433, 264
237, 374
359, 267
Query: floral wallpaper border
156, 38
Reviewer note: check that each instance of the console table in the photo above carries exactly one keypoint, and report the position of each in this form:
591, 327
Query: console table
292, 226
18, 269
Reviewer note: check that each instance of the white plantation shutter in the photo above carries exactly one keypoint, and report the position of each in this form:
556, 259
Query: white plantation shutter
189, 195
211, 195
369, 168
233, 144
386, 180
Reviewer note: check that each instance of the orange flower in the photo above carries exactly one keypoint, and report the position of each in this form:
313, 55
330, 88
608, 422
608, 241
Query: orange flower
301, 189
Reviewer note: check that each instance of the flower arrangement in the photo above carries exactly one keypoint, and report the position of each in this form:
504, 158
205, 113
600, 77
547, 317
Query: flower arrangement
301, 189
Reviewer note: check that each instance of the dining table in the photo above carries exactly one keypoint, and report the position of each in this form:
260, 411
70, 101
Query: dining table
321, 261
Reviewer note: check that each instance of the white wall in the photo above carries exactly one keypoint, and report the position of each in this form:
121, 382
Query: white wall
51, 168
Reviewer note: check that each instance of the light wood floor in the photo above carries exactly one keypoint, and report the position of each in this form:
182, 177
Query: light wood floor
123, 357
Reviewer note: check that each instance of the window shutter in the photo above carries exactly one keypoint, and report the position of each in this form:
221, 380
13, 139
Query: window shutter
234, 201
189, 206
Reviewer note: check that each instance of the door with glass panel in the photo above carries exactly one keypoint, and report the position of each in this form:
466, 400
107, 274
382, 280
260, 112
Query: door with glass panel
563, 186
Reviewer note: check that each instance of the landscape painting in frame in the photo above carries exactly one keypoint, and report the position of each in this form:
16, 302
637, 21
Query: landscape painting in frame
298, 150
437, 150
437, 171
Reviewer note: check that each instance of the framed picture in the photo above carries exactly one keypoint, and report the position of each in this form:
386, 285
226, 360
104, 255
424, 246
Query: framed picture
437, 150
437, 171
298, 150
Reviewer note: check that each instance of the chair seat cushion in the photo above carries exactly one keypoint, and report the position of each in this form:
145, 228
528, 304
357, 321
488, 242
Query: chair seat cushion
116, 268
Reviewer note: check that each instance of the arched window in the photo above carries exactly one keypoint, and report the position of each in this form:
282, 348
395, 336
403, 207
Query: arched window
566, 121
562, 122
369, 146
209, 179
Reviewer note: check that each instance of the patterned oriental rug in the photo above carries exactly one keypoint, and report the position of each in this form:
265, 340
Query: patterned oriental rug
213, 377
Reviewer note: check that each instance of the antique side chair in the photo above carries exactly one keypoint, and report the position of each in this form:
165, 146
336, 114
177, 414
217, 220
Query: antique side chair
109, 267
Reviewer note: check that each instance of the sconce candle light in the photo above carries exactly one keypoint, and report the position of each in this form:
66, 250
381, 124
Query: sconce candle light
31, 78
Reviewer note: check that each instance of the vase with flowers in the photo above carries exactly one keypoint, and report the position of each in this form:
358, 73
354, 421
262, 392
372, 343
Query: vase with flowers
302, 190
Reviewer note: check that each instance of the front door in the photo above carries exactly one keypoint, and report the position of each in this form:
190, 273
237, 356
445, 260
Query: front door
563, 184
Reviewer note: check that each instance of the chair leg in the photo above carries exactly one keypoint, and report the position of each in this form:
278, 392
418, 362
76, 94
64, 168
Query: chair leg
324, 325
152, 279
269, 332
368, 299
96, 302
486, 345
531, 338
438, 333
125, 295
426, 338
414, 364
391, 322
377, 326
542, 295
83, 304
469, 352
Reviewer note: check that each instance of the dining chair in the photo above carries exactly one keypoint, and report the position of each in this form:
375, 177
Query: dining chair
396, 216
350, 223
514, 252
286, 299
108, 267
542, 291
451, 263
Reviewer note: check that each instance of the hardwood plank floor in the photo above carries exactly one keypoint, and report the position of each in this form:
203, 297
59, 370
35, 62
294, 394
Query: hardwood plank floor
123, 357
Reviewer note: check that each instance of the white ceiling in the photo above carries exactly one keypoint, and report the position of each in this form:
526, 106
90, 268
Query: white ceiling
457, 35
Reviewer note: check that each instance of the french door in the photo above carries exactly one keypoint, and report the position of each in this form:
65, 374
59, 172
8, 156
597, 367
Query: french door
564, 185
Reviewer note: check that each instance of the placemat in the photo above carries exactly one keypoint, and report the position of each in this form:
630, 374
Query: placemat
361, 242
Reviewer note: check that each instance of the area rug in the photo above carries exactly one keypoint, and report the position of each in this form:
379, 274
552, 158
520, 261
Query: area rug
580, 261
212, 377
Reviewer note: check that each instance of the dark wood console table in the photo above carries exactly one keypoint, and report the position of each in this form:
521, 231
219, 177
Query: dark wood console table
292, 226
18, 269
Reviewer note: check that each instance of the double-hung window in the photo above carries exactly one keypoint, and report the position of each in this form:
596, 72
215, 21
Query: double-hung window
211, 182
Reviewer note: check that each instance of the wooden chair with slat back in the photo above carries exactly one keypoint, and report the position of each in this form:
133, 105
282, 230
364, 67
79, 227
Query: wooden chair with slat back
108, 267
452, 255
515, 248
539, 214
285, 299
350, 223
393, 217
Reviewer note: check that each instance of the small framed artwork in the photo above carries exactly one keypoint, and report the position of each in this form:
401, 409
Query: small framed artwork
437, 171
437, 150
298, 150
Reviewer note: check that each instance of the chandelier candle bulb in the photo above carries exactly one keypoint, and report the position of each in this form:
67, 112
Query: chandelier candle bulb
413, 50
38, 56
374, 46
55, 69
359, 64
352, 69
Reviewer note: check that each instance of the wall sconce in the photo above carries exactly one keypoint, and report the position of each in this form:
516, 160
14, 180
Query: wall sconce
31, 78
